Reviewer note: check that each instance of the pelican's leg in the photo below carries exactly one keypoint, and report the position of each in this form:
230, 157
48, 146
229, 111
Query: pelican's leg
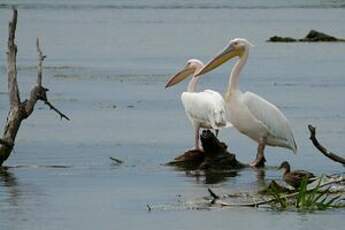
197, 138
260, 157
217, 131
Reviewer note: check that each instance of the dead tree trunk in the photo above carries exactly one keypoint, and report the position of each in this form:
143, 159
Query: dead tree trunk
19, 110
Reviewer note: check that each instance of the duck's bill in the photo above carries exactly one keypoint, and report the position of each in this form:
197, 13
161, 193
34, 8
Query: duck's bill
180, 76
228, 53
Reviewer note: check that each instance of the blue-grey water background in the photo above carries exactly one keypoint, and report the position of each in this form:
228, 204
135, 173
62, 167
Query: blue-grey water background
107, 65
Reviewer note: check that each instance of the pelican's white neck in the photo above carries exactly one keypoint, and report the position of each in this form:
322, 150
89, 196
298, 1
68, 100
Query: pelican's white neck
192, 84
235, 72
194, 81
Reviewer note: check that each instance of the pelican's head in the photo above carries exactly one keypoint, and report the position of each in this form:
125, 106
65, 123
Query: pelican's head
236, 48
192, 67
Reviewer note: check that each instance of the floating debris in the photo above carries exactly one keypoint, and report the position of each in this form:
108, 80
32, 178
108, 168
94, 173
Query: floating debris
40, 166
115, 160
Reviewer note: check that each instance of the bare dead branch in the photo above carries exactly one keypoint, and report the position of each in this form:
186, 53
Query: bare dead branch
19, 111
29, 104
6, 143
41, 93
322, 149
12, 27
56, 110
41, 58
11, 62
14, 116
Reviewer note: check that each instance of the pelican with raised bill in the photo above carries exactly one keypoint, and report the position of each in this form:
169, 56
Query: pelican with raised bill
249, 113
204, 109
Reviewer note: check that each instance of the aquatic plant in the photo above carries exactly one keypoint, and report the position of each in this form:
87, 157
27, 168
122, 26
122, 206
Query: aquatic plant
280, 201
305, 199
314, 199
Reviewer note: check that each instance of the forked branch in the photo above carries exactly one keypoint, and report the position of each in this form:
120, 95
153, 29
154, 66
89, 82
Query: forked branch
19, 111
42, 95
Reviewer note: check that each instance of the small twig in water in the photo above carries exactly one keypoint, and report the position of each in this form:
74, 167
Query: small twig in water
214, 196
116, 160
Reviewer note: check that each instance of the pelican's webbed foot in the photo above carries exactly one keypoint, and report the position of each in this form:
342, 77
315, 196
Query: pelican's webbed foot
258, 162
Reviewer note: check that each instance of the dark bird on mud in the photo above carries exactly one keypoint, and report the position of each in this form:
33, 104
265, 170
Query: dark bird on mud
294, 178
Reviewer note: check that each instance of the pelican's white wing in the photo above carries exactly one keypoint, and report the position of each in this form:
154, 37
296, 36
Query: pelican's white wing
277, 125
206, 108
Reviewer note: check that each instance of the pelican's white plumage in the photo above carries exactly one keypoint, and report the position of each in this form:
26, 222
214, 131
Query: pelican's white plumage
276, 126
204, 109
249, 113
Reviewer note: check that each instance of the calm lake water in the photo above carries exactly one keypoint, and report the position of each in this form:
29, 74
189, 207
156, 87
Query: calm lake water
107, 65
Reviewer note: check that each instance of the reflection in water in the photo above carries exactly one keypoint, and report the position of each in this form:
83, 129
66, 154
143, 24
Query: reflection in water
211, 176
9, 185
260, 176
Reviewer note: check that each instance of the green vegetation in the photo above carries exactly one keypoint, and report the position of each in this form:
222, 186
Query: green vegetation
280, 201
305, 199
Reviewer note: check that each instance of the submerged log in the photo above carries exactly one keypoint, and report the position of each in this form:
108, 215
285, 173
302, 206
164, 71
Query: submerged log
20, 110
312, 36
214, 156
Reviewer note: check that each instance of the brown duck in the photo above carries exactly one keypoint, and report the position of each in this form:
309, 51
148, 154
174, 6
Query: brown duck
294, 178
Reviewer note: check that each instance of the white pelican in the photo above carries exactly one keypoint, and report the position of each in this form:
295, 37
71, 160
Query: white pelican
204, 109
249, 113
